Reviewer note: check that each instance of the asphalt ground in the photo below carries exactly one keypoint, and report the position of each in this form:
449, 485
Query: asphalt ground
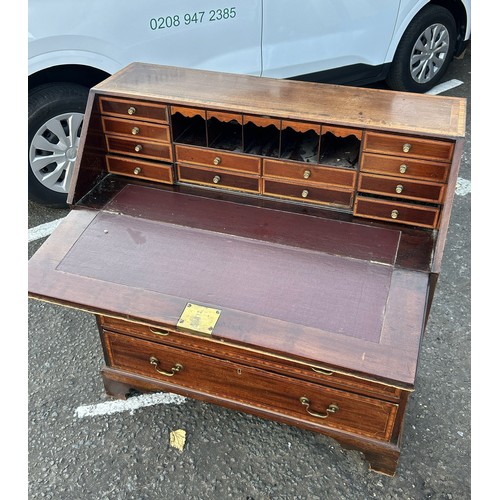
231, 455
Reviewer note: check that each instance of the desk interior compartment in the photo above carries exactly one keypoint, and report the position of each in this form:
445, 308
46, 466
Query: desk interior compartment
189, 125
225, 131
340, 147
300, 141
261, 136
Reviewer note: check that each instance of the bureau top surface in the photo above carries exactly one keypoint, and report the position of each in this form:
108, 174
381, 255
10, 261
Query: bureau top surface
314, 289
341, 105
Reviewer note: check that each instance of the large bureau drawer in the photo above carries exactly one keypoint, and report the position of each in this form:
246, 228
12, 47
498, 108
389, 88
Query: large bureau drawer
409, 147
269, 391
323, 375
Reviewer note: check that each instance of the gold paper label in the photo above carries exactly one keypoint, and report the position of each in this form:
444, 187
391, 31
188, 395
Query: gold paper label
200, 319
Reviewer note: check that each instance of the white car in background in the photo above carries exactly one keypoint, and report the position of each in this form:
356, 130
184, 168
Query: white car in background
74, 45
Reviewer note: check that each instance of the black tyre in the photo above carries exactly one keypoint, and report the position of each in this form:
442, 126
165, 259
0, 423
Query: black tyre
425, 51
55, 117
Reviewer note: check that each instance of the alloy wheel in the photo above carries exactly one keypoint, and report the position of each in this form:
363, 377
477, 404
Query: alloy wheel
53, 151
429, 53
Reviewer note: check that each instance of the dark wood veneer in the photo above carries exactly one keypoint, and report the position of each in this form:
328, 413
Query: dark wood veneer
312, 217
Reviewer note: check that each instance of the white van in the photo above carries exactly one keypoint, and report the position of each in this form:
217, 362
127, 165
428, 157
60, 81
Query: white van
75, 45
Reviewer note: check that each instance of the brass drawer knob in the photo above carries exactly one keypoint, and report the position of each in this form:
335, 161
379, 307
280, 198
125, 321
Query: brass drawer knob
137, 170
138, 148
406, 148
307, 174
403, 168
217, 160
135, 130
399, 188
394, 214
216, 179
175, 369
333, 408
131, 110
305, 193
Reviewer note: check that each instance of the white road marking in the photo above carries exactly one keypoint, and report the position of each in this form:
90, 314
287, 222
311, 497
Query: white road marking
443, 87
130, 404
463, 187
35, 233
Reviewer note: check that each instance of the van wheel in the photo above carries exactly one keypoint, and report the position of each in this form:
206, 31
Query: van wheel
55, 117
425, 51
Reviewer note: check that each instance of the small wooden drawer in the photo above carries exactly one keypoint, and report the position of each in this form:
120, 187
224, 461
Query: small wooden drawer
223, 350
309, 173
218, 178
403, 213
142, 149
402, 188
405, 167
136, 129
408, 147
140, 110
218, 159
308, 193
140, 169
296, 399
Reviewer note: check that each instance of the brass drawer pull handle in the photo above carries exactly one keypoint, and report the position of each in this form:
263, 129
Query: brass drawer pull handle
322, 371
158, 332
175, 369
305, 193
307, 174
406, 148
216, 179
138, 148
131, 110
394, 214
135, 130
217, 160
403, 168
137, 170
331, 409
399, 188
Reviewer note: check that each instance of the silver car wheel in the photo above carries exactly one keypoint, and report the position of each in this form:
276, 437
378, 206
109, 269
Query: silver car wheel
53, 151
429, 53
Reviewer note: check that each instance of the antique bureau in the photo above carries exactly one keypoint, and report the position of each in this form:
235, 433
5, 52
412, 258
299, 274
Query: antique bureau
270, 246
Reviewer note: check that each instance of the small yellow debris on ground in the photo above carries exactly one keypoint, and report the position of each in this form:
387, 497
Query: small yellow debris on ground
178, 439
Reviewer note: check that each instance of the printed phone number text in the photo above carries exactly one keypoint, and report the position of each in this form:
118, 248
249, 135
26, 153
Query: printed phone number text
160, 23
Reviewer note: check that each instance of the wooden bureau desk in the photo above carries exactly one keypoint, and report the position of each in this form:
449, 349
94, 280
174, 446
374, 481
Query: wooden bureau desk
270, 246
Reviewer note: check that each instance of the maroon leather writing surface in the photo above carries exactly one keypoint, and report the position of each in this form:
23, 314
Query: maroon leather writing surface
333, 293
